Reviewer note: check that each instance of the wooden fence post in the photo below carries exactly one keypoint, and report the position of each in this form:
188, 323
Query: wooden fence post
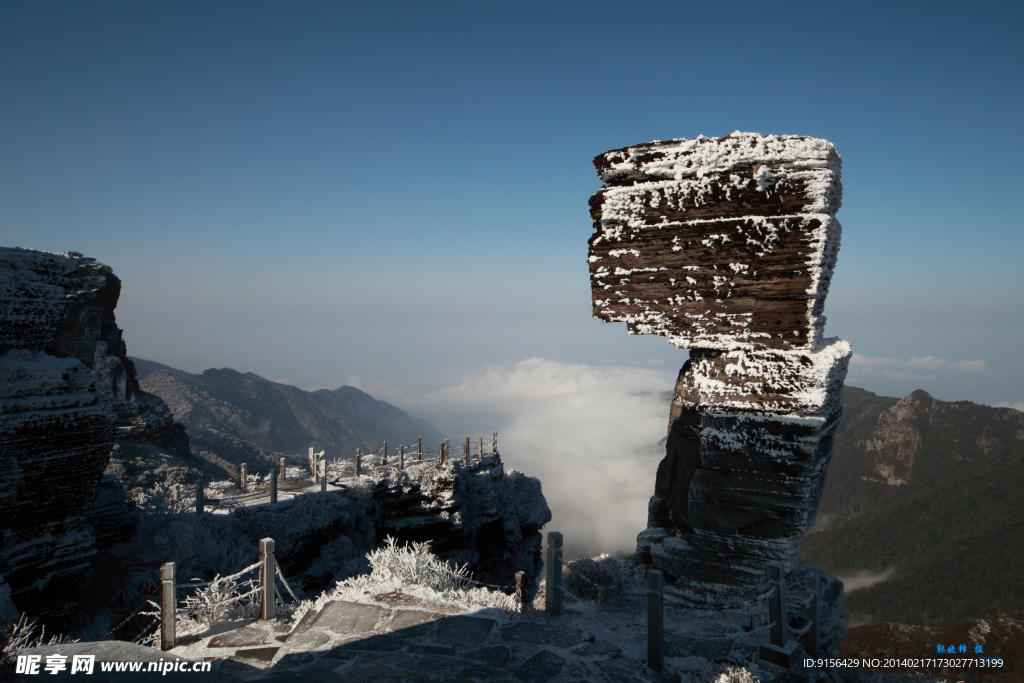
267, 587
401, 457
419, 449
243, 477
284, 472
200, 496
519, 585
356, 463
465, 453
168, 605
273, 485
553, 574
655, 619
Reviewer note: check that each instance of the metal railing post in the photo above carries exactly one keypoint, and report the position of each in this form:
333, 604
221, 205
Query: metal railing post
553, 574
168, 605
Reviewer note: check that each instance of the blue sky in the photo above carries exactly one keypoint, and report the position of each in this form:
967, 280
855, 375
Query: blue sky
395, 194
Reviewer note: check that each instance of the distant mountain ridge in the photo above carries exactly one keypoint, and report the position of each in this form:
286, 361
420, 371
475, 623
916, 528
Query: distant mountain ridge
927, 493
233, 417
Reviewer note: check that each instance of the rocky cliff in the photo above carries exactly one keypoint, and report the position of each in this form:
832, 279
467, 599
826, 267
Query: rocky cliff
67, 395
727, 246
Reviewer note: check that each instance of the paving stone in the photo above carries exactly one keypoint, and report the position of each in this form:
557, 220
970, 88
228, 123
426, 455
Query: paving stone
397, 674
479, 672
598, 648
540, 633
309, 639
307, 620
382, 643
293, 660
323, 676
464, 632
621, 671
259, 654
347, 617
365, 674
540, 668
437, 663
495, 655
243, 637
408, 619
431, 650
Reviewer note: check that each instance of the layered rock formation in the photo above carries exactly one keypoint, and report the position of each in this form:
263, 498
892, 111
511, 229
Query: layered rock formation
726, 246
67, 393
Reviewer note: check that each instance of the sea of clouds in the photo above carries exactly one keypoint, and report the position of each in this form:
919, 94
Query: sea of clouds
581, 429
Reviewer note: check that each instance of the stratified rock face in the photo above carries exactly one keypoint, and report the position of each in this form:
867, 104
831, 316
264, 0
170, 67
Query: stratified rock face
66, 393
717, 243
726, 246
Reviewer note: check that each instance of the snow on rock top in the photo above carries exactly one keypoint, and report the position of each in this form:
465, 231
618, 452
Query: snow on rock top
682, 158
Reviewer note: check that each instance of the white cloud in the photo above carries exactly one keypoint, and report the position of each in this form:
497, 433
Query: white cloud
863, 579
928, 368
576, 428
1016, 406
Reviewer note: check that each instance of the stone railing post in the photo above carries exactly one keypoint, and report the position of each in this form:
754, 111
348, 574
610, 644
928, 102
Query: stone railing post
553, 574
401, 457
273, 485
813, 617
465, 453
445, 451
355, 463
168, 605
480, 448
384, 450
655, 619
520, 576
200, 496
781, 651
310, 466
267, 587
323, 478
494, 444
419, 449
243, 477
284, 472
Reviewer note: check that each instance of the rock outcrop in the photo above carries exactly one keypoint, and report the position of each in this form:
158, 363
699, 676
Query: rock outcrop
67, 394
726, 246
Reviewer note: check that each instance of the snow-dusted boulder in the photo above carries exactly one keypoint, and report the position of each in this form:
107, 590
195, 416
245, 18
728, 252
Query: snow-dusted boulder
717, 243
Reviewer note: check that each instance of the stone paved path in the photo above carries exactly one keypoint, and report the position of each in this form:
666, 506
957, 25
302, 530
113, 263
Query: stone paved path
347, 641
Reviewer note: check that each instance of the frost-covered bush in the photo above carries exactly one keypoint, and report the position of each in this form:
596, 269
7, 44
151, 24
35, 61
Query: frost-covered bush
616, 575
412, 571
17, 636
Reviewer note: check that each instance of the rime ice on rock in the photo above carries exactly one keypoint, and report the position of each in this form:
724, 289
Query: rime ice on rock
717, 243
726, 246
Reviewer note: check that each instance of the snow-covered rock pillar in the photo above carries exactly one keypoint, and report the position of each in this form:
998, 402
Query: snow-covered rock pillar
726, 246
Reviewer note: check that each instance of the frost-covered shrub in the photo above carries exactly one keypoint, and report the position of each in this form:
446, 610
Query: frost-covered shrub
616, 575
414, 565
